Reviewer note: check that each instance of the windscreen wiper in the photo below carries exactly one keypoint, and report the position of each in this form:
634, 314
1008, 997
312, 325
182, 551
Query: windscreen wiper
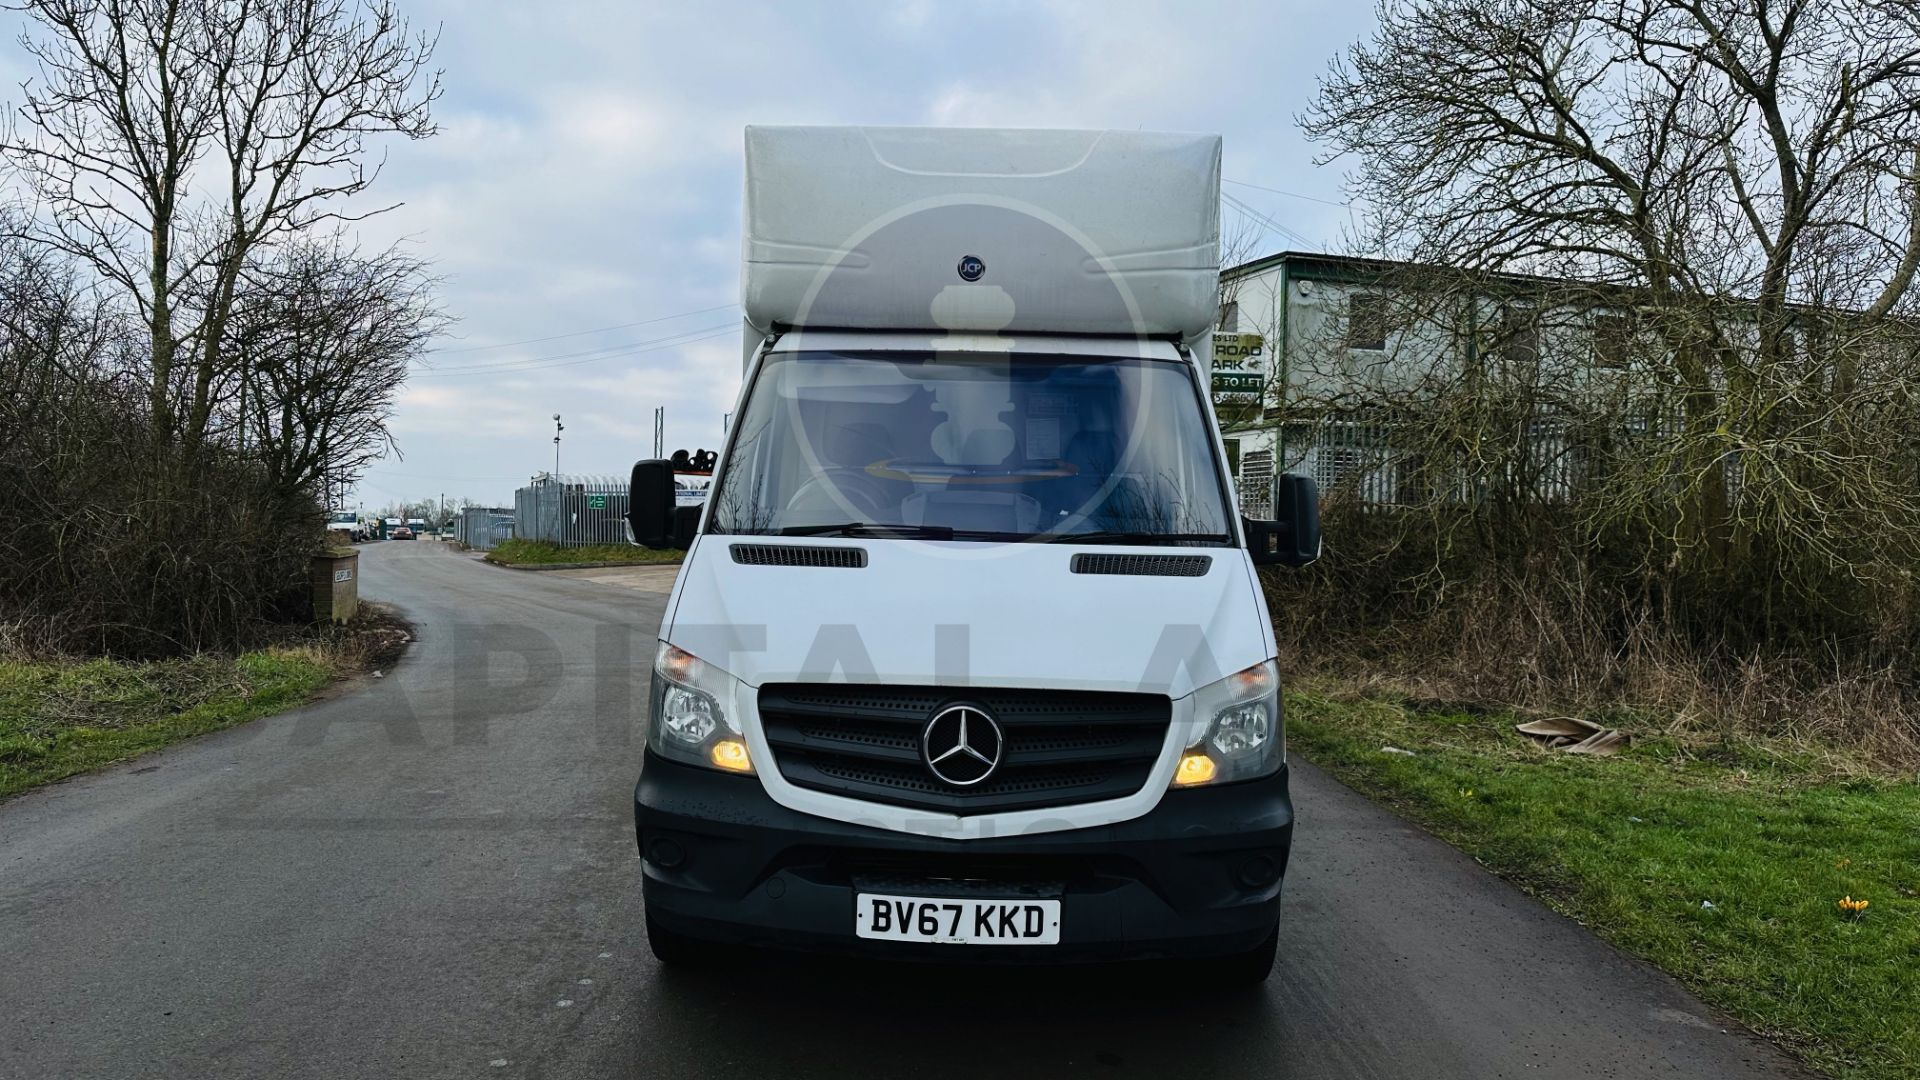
871, 528
904, 532
1143, 538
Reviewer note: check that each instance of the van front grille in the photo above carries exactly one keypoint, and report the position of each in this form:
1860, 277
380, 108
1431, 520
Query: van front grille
1061, 746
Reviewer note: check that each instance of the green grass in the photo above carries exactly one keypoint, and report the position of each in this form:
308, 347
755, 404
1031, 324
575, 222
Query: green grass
542, 553
59, 718
1631, 846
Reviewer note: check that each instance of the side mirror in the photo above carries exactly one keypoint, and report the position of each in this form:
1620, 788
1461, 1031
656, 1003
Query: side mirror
650, 504
1292, 538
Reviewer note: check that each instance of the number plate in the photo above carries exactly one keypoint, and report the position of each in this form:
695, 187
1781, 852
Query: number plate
948, 920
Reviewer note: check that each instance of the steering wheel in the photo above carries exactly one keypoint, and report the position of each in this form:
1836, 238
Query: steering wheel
836, 490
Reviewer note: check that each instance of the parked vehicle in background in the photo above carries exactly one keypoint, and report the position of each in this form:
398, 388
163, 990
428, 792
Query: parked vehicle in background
343, 526
968, 648
401, 532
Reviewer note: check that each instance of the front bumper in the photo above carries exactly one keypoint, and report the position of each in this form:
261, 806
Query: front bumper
1197, 876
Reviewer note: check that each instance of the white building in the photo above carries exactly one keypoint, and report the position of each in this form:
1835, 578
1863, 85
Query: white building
1312, 351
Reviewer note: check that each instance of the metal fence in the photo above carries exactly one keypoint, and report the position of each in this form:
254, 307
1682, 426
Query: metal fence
1367, 463
480, 528
572, 511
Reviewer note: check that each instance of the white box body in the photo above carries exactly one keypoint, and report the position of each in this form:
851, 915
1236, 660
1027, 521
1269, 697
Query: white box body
1109, 233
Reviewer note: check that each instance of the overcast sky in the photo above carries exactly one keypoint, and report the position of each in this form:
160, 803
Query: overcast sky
587, 175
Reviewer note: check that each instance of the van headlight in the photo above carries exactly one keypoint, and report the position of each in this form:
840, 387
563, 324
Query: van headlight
692, 719
1245, 735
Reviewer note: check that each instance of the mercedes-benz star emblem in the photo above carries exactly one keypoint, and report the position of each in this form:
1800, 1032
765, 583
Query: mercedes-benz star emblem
961, 745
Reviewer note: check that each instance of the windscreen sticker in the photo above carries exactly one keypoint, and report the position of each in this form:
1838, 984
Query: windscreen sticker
1043, 439
1049, 404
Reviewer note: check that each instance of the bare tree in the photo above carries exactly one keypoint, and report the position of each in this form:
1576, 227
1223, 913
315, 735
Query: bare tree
1746, 168
323, 337
1718, 146
1646, 397
197, 360
172, 141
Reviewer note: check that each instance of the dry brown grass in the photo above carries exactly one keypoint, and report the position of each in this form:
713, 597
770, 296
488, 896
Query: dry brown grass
372, 641
1484, 650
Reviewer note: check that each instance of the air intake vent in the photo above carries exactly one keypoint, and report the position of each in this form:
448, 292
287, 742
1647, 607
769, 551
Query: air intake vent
1143, 565
851, 558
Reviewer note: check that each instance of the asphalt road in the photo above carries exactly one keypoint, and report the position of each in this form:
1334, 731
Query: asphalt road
386, 884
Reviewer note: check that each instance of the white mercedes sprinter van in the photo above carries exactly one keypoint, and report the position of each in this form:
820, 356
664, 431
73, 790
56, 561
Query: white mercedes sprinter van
968, 659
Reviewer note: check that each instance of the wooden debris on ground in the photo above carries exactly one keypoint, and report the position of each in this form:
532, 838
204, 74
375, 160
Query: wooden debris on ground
1574, 735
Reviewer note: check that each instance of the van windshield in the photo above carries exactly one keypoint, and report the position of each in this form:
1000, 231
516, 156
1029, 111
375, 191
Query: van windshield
974, 446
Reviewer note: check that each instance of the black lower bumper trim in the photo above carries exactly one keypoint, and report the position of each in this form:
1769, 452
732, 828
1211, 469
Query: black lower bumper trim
1197, 876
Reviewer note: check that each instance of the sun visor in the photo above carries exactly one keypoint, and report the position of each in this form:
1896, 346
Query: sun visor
982, 230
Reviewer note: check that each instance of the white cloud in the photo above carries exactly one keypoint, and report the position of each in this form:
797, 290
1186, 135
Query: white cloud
587, 173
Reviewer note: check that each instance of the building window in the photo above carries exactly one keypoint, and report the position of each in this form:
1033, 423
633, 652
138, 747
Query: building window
1612, 340
1229, 317
1256, 484
1334, 466
1519, 334
1367, 321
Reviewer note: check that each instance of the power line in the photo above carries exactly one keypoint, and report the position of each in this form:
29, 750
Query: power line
519, 360
1242, 206
1288, 194
640, 347
454, 479
524, 363
364, 482
581, 333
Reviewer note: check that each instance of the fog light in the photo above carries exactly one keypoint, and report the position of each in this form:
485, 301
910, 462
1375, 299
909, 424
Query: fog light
1259, 872
1194, 769
731, 755
666, 854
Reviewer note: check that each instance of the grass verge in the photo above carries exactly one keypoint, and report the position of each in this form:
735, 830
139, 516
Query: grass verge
1722, 863
60, 717
543, 553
